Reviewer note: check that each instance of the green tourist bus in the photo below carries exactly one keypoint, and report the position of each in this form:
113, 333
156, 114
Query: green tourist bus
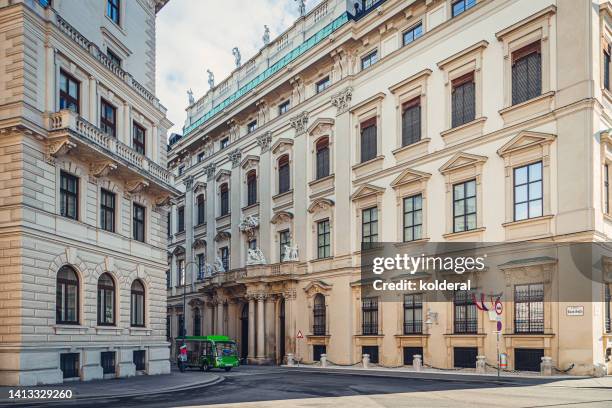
206, 352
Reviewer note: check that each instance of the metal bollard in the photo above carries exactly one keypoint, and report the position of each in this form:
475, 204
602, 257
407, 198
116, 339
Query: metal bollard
365, 360
481, 364
290, 360
323, 360
546, 366
417, 363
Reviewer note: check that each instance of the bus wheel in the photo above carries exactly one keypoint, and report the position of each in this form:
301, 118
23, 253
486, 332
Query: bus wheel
227, 369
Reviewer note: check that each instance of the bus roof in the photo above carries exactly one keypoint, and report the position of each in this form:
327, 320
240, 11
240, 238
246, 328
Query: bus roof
214, 338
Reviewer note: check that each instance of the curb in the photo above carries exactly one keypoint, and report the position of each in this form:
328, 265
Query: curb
51, 402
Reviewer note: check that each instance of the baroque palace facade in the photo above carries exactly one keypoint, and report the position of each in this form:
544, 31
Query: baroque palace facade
397, 121
83, 191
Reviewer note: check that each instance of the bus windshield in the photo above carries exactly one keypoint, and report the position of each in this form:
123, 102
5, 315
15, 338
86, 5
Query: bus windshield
225, 349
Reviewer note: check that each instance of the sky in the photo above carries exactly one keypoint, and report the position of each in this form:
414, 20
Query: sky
196, 35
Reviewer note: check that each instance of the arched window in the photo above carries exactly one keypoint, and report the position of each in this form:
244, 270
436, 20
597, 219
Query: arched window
322, 148
106, 300
283, 174
138, 305
67, 296
319, 328
201, 209
197, 323
251, 187
224, 198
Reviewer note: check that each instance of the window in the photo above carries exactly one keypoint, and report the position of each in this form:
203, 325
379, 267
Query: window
168, 328
322, 157
225, 260
107, 210
139, 358
197, 323
371, 351
251, 187
526, 73
201, 259
138, 222
181, 218
181, 170
138, 138
368, 140
369, 316
464, 206
529, 308
528, 191
322, 84
466, 316
252, 244
369, 227
283, 174
67, 296
113, 57
283, 108
323, 239
606, 67
168, 286
106, 300
460, 6
200, 156
607, 309
413, 33
369, 60
284, 240
224, 143
318, 328
224, 199
108, 119
138, 304
252, 126
463, 100
69, 92
413, 314
169, 224
107, 360
413, 218
69, 364
606, 176
411, 122
181, 325
112, 10
180, 271
201, 209
69, 195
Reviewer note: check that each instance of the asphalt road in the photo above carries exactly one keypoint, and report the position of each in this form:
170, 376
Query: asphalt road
279, 387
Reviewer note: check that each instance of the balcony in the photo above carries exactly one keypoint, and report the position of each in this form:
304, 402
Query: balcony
71, 134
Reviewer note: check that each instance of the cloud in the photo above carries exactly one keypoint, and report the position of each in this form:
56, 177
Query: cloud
196, 35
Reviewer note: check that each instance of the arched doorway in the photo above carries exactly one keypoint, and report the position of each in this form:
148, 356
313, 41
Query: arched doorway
244, 339
281, 325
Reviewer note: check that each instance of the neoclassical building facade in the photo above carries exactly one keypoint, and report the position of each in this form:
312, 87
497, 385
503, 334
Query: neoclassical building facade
409, 122
83, 192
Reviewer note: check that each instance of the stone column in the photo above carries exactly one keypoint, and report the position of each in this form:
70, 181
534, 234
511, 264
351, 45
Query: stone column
153, 144
52, 79
127, 125
251, 328
210, 318
237, 243
173, 281
290, 322
265, 183
190, 267
220, 320
211, 198
261, 328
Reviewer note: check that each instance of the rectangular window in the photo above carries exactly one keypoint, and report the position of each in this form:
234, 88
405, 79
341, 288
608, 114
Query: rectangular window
460, 6
322, 84
139, 223
168, 282
201, 259
224, 198
283, 108
114, 58
69, 195
252, 126
323, 239
69, 364
113, 10
107, 210
413, 33
168, 328
413, 218
371, 351
181, 170
169, 224
139, 358
526, 73
606, 68
181, 218
529, 308
368, 140
284, 183
251, 188
463, 100
180, 271
528, 191
413, 314
606, 189
466, 314
369, 227
369, 60
411, 122
369, 316
225, 258
200, 156
201, 209
107, 360
108, 119
69, 92
138, 138
224, 143
284, 240
464, 206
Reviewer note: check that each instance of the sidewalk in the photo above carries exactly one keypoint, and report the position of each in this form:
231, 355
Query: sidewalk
121, 387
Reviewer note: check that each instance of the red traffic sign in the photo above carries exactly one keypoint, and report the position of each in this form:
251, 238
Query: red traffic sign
499, 308
299, 335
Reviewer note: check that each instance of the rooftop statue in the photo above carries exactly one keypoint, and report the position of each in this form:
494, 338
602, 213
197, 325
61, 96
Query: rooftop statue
237, 56
211, 78
302, 7
190, 96
266, 36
